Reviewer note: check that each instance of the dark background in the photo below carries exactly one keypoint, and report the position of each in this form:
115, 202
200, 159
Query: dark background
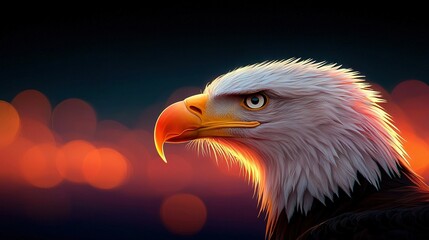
123, 60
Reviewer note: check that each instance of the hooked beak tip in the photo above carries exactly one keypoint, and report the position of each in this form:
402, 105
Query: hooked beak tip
159, 144
172, 126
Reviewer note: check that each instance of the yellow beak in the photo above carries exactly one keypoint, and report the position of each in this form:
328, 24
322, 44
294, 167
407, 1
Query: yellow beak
187, 120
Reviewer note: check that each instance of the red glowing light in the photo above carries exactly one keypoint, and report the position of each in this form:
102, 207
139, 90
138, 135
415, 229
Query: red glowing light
37, 132
417, 114
70, 167
418, 151
105, 168
32, 104
26, 123
411, 117
183, 214
134, 145
74, 119
10, 158
38, 165
9, 124
410, 89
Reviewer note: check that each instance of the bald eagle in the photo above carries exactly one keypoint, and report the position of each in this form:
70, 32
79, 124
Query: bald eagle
326, 161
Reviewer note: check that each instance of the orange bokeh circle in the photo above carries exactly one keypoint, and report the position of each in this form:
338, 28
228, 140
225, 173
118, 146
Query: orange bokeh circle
70, 167
105, 168
10, 159
38, 165
37, 132
183, 214
418, 151
9, 123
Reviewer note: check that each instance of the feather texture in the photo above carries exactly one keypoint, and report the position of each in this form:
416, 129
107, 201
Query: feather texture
322, 134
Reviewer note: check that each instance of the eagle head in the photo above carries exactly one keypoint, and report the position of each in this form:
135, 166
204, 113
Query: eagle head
302, 130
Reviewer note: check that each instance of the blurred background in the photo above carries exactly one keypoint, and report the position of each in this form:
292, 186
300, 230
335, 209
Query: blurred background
81, 89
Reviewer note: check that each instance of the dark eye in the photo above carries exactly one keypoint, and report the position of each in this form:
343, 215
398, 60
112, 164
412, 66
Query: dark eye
255, 101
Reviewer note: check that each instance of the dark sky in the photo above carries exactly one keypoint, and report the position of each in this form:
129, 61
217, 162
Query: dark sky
125, 59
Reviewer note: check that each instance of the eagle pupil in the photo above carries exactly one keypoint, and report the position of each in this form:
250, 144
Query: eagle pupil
254, 100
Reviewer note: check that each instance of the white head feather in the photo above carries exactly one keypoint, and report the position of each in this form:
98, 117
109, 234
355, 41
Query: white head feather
322, 127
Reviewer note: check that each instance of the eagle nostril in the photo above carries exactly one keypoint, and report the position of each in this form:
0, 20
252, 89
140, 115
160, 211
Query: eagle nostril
196, 110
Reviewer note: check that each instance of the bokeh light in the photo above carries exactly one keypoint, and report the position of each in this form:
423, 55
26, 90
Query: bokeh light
417, 115
9, 123
418, 151
37, 132
32, 104
71, 166
183, 214
169, 178
133, 145
74, 119
110, 131
41, 149
410, 89
411, 117
10, 159
105, 168
38, 165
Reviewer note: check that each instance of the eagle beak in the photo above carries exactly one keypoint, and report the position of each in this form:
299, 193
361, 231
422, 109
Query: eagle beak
187, 120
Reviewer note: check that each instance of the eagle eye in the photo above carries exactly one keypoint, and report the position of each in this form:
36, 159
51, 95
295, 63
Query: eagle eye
255, 101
